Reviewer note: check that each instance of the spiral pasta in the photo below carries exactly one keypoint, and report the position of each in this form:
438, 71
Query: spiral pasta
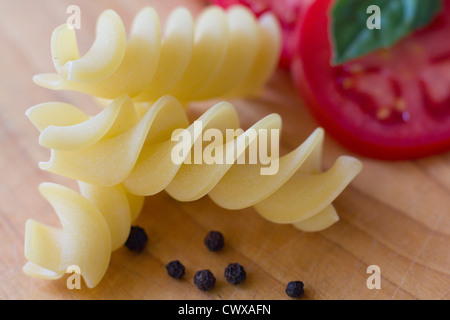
125, 152
122, 154
225, 53
118, 147
94, 223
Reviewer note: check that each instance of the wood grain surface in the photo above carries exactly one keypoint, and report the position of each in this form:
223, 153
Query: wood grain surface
394, 214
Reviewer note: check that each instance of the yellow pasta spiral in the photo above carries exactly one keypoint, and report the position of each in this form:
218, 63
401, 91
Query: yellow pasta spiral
123, 154
222, 53
117, 146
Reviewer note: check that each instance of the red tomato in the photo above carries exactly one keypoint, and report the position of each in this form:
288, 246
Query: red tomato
288, 13
391, 104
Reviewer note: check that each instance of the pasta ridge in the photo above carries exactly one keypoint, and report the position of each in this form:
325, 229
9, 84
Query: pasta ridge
299, 193
223, 53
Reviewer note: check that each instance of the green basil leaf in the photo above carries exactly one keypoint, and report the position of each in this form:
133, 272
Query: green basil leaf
351, 36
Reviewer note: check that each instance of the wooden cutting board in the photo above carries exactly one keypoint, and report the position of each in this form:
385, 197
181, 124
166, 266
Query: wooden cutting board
395, 215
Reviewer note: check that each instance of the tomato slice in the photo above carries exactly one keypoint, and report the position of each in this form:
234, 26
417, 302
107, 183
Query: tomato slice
392, 104
288, 13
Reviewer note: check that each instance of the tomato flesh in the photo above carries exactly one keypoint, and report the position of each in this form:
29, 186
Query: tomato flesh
391, 104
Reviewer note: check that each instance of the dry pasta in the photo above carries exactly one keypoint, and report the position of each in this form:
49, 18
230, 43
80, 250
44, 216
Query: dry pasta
222, 53
117, 146
123, 154
94, 223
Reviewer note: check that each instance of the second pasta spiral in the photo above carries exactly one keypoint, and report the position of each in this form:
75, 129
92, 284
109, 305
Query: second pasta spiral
222, 53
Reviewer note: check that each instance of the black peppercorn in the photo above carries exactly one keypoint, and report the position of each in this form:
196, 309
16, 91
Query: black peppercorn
214, 241
136, 239
204, 280
294, 289
235, 273
175, 269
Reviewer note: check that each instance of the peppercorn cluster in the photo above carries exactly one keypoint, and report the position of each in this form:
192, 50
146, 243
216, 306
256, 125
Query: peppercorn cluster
204, 279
